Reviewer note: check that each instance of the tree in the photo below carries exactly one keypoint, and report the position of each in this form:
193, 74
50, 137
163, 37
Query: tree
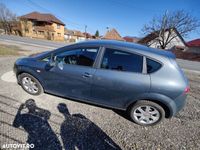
164, 26
97, 33
7, 18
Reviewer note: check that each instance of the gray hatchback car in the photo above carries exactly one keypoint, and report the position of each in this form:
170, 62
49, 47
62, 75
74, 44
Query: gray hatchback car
146, 83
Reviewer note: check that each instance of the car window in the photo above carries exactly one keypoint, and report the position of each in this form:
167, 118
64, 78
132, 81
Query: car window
83, 56
152, 66
46, 59
122, 61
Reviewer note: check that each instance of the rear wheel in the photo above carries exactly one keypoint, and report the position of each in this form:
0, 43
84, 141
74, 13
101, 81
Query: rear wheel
30, 84
146, 113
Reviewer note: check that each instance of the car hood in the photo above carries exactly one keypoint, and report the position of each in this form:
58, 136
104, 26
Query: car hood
32, 57
38, 55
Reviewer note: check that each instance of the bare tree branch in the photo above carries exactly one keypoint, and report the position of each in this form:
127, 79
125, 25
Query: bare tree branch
163, 26
6, 18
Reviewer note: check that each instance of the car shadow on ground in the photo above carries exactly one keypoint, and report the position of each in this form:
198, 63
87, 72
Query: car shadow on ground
123, 114
77, 131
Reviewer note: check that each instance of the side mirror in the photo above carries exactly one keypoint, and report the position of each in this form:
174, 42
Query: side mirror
51, 63
60, 65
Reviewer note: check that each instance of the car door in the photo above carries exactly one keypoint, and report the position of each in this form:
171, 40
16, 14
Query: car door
73, 73
119, 78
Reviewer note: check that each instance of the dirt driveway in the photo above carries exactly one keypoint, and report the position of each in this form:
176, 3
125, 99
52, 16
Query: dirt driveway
104, 128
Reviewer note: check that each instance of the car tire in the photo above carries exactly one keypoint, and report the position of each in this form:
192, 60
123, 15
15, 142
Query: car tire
146, 113
30, 84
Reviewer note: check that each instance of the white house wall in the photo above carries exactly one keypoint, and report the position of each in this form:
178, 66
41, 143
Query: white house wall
174, 42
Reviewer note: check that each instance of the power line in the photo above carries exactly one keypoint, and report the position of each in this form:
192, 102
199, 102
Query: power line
130, 6
47, 10
80, 26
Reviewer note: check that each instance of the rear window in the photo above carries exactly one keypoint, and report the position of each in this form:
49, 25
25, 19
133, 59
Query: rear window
152, 66
122, 61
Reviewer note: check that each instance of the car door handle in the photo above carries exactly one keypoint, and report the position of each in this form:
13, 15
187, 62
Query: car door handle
87, 75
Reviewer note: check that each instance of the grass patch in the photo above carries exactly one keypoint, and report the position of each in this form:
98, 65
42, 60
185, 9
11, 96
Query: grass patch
9, 50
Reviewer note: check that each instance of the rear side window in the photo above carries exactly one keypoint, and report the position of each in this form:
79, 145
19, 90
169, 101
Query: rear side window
152, 66
122, 61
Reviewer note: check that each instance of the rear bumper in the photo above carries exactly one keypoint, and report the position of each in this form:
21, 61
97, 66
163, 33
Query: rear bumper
180, 102
175, 105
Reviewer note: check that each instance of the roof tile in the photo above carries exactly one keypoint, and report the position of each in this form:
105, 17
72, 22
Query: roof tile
113, 35
42, 17
194, 43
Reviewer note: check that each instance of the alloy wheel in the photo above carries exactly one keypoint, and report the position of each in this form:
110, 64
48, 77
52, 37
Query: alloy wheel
30, 85
146, 114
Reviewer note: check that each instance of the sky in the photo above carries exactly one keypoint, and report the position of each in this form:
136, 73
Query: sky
127, 16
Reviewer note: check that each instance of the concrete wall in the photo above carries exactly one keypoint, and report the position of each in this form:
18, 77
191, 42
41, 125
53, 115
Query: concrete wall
74, 38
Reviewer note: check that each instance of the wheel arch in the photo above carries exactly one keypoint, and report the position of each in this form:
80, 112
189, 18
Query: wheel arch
165, 102
29, 71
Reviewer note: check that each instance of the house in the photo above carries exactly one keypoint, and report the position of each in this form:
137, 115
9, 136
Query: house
74, 35
89, 36
131, 39
193, 46
151, 39
68, 35
39, 25
112, 35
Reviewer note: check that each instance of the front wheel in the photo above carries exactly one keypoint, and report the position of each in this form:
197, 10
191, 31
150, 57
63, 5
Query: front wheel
146, 113
30, 84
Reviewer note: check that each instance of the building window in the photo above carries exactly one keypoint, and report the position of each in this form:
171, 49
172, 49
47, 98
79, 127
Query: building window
41, 32
58, 26
59, 34
158, 46
34, 32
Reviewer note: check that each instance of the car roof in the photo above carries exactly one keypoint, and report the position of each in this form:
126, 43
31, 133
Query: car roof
135, 47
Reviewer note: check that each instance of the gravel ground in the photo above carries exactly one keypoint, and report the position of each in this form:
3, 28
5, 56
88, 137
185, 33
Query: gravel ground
95, 127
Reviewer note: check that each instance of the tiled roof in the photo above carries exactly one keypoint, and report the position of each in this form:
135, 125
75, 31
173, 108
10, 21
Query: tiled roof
78, 33
131, 39
68, 32
113, 35
74, 33
42, 17
149, 37
88, 35
194, 43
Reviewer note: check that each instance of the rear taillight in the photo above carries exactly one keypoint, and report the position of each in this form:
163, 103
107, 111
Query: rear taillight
187, 90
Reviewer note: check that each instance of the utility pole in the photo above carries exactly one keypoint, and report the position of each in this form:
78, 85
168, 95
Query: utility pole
107, 28
85, 31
